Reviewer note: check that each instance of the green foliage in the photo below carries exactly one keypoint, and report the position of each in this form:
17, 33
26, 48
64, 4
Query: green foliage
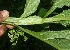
30, 7
56, 38
42, 12
59, 4
66, 14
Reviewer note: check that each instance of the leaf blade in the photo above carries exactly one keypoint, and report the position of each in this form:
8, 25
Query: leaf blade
58, 4
30, 7
52, 42
65, 13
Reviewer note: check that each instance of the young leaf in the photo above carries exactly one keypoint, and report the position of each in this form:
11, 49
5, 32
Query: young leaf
14, 35
30, 7
59, 4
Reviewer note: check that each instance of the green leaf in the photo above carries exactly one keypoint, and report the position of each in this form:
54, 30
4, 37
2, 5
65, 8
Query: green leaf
51, 34
56, 39
30, 7
42, 12
63, 44
65, 13
34, 20
59, 4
